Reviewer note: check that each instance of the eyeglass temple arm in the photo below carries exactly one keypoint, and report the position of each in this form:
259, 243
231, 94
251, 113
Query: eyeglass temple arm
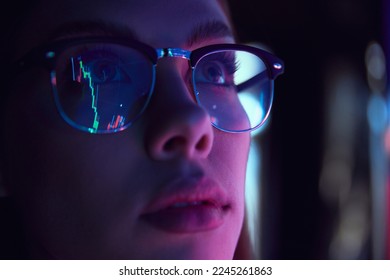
255, 80
278, 70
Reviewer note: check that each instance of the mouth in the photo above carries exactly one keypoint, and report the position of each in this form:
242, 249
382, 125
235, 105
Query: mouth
194, 208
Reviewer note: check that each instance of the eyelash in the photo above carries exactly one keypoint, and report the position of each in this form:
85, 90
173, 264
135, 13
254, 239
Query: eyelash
229, 61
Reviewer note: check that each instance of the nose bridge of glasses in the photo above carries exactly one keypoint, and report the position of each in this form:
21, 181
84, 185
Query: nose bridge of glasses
173, 52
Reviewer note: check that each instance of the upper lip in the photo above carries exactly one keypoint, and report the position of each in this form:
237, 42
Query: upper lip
188, 190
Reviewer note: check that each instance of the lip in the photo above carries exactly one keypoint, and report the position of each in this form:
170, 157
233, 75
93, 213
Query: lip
188, 205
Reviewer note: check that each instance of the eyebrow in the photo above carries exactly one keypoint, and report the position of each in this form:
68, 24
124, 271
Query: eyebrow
202, 32
91, 28
207, 31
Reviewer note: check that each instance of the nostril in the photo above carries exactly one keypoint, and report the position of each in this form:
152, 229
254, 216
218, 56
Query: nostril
174, 143
202, 143
180, 144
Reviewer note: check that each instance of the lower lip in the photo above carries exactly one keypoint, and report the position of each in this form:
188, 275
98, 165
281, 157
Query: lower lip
189, 219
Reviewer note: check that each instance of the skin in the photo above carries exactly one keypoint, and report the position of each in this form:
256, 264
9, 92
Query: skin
82, 195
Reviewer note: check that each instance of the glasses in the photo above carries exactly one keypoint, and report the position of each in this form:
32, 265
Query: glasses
103, 85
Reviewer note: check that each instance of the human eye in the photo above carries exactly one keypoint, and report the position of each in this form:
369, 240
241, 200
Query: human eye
105, 71
95, 65
102, 67
213, 72
217, 69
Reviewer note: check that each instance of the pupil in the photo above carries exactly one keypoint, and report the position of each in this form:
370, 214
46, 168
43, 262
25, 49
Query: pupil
215, 75
104, 72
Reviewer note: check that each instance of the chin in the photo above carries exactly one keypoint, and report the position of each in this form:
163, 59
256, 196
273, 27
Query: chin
218, 248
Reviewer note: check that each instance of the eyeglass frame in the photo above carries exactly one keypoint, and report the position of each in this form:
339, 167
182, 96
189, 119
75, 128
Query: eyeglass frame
47, 54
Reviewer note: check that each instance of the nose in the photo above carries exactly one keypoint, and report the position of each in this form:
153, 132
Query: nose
176, 125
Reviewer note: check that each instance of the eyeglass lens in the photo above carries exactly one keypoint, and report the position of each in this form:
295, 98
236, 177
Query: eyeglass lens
102, 87
105, 87
235, 88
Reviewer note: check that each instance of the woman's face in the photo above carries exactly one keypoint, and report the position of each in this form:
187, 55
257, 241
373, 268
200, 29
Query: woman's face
169, 187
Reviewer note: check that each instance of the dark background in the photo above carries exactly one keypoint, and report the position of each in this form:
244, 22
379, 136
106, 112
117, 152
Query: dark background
307, 35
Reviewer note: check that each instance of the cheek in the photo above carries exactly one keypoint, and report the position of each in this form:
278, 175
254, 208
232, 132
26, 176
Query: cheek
51, 166
230, 156
229, 160
28, 113
231, 151
31, 109
30, 118
75, 192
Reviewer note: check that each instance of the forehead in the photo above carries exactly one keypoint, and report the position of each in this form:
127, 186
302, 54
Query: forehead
155, 22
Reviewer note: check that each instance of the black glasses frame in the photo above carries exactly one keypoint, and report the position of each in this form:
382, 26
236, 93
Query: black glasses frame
46, 56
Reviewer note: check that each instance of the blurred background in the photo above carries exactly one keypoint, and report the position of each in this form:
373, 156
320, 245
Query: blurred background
319, 167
